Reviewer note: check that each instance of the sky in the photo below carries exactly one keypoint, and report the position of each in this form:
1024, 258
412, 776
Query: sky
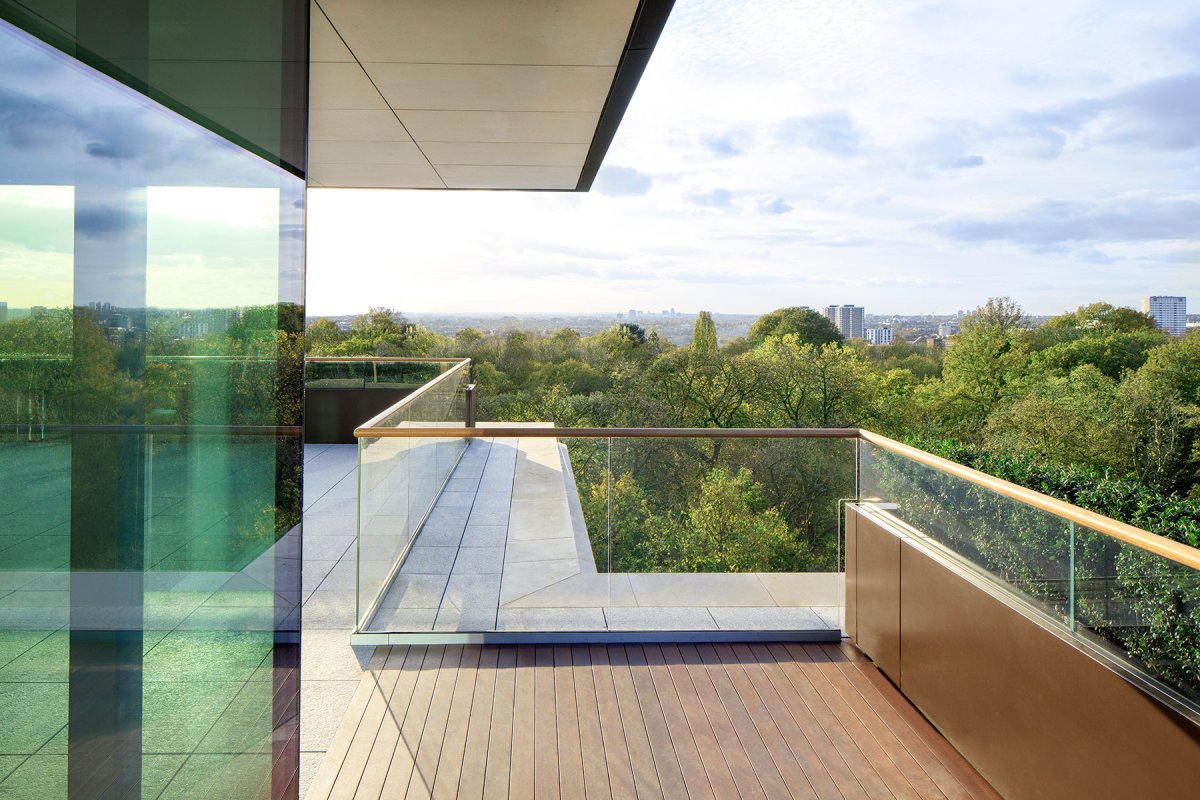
908, 156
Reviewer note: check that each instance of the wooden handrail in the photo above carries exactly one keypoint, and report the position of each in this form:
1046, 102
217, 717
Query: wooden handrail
499, 432
380, 359
1159, 545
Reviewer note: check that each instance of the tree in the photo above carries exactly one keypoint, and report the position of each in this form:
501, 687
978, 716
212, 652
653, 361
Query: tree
800, 385
1063, 420
807, 325
987, 361
322, 336
704, 335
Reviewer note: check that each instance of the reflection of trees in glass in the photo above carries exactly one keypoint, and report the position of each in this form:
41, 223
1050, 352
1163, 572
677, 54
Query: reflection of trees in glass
1141, 603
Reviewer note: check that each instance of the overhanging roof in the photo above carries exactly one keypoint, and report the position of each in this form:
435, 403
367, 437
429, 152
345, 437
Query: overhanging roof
472, 94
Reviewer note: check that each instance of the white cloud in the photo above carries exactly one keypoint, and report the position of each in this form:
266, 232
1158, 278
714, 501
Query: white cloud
910, 156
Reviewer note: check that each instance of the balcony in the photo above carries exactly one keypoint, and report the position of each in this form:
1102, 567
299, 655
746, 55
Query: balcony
505, 586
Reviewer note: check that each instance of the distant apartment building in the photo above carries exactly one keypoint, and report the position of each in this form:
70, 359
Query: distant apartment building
848, 319
878, 335
1169, 312
947, 329
3, 312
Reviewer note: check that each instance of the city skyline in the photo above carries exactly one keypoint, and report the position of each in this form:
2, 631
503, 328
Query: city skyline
915, 156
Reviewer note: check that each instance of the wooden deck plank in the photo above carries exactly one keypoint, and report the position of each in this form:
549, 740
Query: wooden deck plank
412, 724
945, 753
719, 777
616, 750
474, 763
751, 738
796, 670
736, 757
520, 779
879, 756
695, 777
591, 738
666, 761
570, 756
826, 749
790, 732
917, 774
370, 689
641, 755
702, 722
499, 753
786, 760
377, 717
429, 748
449, 765
545, 724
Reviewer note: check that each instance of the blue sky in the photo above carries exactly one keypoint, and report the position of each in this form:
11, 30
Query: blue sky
907, 156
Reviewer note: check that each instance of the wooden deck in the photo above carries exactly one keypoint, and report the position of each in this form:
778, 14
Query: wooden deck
647, 721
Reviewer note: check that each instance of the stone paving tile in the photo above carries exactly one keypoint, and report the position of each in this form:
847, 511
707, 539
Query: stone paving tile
522, 579
401, 620
485, 536
492, 515
804, 589
424, 560
455, 499
472, 591
585, 590
322, 706
540, 550
328, 655
660, 619
699, 589
415, 591
550, 619
329, 610
468, 620
327, 548
479, 561
768, 618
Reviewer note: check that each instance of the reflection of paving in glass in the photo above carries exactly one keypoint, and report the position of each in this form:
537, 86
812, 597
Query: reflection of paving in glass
505, 549
209, 608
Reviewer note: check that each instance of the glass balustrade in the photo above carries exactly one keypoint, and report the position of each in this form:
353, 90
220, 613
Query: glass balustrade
1137, 606
400, 479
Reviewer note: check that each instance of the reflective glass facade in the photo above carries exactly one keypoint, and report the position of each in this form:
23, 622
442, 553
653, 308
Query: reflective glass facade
151, 267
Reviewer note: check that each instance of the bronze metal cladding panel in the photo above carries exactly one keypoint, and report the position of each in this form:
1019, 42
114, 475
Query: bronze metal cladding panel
1038, 717
851, 573
878, 595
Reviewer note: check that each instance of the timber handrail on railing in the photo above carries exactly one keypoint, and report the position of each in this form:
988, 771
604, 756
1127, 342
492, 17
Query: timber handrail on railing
383, 359
1159, 545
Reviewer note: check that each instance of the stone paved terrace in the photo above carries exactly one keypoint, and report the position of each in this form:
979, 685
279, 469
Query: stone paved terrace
505, 549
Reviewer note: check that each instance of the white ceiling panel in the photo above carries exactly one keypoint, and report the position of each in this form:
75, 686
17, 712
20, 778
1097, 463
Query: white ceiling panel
480, 94
508, 154
333, 152
356, 125
341, 86
500, 126
463, 177
324, 44
498, 87
591, 32
376, 176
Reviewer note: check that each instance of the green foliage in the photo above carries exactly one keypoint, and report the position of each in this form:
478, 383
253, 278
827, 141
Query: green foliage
805, 324
704, 335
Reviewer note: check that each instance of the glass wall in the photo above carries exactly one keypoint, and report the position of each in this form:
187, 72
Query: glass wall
150, 401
